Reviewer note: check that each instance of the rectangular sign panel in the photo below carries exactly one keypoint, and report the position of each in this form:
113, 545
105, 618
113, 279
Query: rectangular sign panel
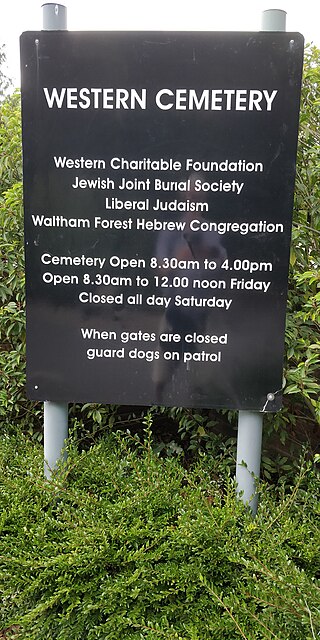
158, 185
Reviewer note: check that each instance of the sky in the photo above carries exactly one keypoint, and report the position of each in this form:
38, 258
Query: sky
167, 15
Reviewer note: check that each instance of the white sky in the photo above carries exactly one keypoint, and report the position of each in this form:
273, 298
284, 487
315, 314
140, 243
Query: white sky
180, 15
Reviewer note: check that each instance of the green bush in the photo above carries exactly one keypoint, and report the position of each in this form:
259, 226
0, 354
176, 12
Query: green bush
303, 318
5, 83
13, 403
123, 544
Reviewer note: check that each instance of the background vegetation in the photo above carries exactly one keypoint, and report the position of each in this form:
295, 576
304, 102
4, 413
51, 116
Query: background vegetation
301, 415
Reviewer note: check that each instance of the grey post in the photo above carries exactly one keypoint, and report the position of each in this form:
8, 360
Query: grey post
249, 456
55, 434
273, 20
54, 18
250, 423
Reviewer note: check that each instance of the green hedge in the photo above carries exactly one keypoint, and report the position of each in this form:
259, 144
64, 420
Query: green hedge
125, 545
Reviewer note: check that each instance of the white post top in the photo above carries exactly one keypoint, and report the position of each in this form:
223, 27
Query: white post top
273, 20
54, 16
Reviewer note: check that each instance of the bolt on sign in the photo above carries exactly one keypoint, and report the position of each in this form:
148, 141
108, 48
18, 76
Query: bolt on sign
158, 188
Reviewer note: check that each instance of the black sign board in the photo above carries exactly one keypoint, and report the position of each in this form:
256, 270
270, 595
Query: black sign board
159, 176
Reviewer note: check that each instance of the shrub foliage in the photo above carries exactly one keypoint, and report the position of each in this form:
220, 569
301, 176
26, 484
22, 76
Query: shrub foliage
125, 544
13, 403
303, 318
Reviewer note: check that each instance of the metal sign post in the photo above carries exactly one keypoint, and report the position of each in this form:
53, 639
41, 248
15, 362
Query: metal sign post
54, 17
250, 423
